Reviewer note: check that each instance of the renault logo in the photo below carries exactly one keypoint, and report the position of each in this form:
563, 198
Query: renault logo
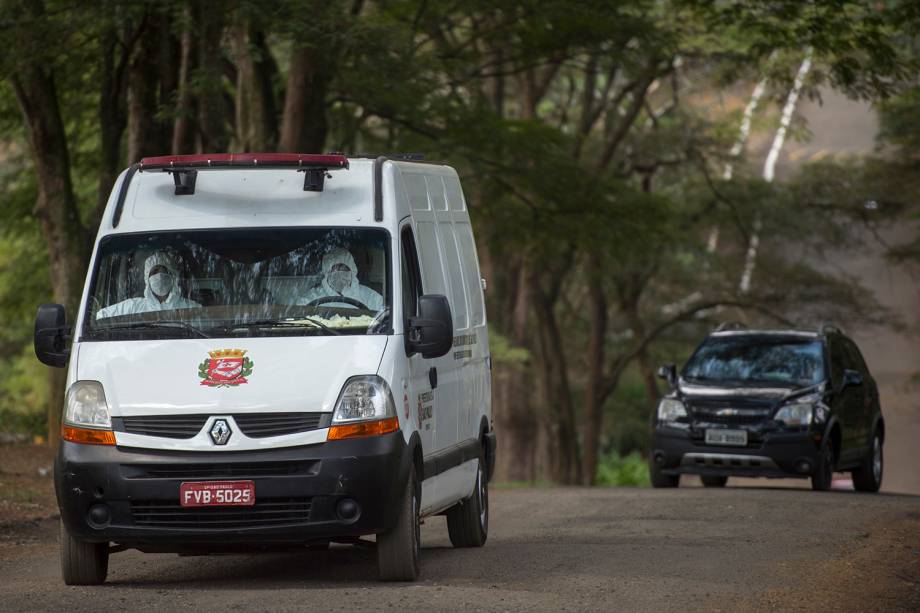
220, 432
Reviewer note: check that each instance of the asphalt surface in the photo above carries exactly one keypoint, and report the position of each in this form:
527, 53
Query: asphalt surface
548, 549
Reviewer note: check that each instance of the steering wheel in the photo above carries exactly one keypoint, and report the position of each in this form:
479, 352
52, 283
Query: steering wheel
345, 299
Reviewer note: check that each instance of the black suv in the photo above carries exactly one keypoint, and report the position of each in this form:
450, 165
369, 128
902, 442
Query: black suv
770, 404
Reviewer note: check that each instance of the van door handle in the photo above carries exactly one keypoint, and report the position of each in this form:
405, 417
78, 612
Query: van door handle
433, 377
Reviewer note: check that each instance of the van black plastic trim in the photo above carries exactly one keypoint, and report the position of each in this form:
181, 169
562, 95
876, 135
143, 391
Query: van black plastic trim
378, 187
123, 194
442, 461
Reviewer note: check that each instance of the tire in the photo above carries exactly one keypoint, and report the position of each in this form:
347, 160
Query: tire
468, 520
824, 473
661, 480
868, 477
83, 563
713, 481
398, 549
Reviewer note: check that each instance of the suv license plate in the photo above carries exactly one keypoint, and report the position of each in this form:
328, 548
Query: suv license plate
217, 494
726, 437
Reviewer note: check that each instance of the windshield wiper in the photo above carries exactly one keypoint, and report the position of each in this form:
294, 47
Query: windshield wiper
281, 323
157, 325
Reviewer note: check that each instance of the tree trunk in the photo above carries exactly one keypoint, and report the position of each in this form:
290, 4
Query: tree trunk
146, 132
594, 402
55, 206
111, 117
303, 125
212, 109
256, 127
183, 136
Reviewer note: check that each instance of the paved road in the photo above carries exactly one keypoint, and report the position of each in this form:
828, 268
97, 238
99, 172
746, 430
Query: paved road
549, 549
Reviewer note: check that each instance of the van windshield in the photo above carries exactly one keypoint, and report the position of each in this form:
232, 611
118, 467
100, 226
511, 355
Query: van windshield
240, 282
757, 361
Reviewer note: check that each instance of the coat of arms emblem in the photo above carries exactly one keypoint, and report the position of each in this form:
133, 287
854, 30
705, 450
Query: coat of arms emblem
225, 368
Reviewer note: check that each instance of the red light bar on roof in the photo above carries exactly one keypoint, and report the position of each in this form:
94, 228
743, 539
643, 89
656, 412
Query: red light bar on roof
184, 168
244, 160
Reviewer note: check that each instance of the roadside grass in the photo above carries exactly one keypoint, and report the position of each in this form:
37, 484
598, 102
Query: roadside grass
631, 470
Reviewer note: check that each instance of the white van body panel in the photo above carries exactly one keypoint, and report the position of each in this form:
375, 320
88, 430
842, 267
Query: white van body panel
308, 373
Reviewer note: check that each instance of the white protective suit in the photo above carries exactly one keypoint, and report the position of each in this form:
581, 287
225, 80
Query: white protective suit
347, 280
150, 302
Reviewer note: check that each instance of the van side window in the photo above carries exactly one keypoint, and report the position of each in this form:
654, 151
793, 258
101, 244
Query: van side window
455, 274
411, 277
856, 361
838, 360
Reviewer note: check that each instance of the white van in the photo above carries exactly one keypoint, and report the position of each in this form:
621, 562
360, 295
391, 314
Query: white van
274, 350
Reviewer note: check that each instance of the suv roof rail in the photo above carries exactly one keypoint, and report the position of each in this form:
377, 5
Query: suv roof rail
828, 327
730, 325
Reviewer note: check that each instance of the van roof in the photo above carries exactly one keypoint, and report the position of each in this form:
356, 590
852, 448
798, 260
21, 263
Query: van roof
238, 192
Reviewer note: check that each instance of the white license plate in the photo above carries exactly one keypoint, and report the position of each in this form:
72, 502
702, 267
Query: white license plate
726, 437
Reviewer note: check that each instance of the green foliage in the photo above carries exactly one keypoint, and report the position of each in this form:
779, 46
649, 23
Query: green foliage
504, 352
616, 470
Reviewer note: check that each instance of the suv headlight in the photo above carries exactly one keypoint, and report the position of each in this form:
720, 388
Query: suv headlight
365, 408
671, 409
85, 406
797, 414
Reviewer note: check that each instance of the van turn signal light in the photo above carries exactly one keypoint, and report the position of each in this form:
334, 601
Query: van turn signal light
363, 428
87, 436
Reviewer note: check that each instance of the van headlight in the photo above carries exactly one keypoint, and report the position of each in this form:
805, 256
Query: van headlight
797, 414
365, 408
85, 406
671, 409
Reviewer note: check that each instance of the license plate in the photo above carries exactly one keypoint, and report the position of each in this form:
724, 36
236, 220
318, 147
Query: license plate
726, 437
217, 494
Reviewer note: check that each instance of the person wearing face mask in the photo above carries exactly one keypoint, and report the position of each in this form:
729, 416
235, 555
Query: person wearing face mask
340, 278
161, 290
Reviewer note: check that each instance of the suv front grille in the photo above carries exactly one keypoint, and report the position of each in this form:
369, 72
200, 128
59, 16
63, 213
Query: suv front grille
267, 512
253, 425
746, 417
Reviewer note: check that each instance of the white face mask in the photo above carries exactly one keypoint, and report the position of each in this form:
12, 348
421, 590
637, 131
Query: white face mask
161, 283
339, 279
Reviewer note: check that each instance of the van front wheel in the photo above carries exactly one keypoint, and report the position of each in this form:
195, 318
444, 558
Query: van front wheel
398, 549
468, 520
83, 563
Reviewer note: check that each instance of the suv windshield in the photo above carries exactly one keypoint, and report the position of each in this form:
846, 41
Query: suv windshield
240, 282
757, 360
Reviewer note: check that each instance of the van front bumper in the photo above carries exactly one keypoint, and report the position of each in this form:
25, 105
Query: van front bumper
297, 490
678, 451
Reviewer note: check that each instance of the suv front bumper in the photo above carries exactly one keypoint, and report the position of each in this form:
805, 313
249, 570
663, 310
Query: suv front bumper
775, 454
297, 491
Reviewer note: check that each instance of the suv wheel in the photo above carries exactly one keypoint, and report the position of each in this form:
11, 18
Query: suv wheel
398, 549
468, 520
713, 481
824, 472
83, 563
868, 477
659, 479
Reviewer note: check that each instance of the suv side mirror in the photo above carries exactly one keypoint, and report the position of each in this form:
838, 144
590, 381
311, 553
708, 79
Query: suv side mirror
852, 377
668, 372
432, 332
51, 336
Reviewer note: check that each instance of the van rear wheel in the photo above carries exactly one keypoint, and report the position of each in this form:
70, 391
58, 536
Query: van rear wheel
398, 549
468, 520
83, 563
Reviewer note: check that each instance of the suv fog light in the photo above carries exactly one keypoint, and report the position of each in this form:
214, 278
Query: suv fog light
803, 467
99, 516
348, 510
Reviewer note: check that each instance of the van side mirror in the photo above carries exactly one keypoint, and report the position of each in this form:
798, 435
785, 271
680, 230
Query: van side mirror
668, 372
431, 333
852, 377
51, 336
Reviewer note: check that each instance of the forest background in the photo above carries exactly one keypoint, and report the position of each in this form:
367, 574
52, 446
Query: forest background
600, 144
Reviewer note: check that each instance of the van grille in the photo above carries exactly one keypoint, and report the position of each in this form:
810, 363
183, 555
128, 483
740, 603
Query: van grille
267, 512
253, 425
261, 425
219, 470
